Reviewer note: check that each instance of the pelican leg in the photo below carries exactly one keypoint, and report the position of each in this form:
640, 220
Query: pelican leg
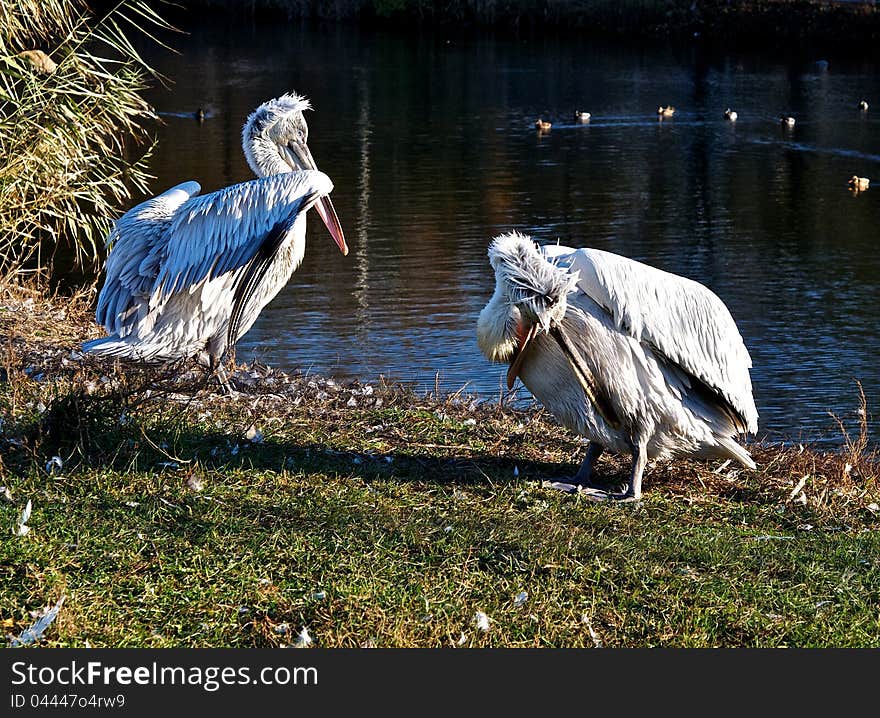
215, 366
633, 490
584, 475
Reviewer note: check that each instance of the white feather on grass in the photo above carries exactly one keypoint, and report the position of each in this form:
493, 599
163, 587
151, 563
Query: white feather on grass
36, 631
303, 640
21, 528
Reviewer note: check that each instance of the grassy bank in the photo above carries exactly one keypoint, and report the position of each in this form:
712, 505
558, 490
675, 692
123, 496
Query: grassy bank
173, 516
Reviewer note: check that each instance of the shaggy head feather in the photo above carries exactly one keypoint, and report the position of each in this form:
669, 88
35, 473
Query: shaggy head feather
528, 288
273, 123
532, 283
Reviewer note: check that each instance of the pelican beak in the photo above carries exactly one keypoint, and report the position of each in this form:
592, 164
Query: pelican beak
327, 212
299, 157
525, 338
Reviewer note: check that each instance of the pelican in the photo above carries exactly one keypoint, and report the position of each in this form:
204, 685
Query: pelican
637, 360
542, 125
863, 105
581, 116
667, 111
730, 114
786, 120
187, 275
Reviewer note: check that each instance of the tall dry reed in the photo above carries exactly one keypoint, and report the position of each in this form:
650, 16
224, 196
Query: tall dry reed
73, 146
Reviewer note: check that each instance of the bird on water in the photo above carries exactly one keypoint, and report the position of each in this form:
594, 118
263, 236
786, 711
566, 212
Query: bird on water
187, 275
637, 360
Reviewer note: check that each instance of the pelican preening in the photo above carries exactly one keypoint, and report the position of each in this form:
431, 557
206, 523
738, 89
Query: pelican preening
786, 120
187, 276
667, 111
633, 358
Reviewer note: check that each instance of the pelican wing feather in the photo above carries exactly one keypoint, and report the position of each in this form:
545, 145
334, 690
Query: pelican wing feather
134, 247
222, 231
681, 319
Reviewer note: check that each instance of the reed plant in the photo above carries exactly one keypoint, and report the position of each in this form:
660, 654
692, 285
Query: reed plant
73, 141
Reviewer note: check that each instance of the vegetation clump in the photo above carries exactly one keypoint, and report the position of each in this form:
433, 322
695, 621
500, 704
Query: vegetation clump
71, 120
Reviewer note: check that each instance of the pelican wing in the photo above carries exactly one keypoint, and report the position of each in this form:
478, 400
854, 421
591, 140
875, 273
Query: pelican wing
681, 319
134, 247
223, 231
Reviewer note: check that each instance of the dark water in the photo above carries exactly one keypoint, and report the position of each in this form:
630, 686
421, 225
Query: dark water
431, 145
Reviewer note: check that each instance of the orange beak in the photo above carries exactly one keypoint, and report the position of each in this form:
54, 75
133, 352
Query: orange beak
525, 338
300, 157
327, 212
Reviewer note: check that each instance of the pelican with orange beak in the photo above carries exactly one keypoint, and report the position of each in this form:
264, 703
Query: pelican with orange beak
187, 275
637, 360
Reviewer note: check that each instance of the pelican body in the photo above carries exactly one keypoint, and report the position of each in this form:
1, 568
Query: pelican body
637, 360
187, 275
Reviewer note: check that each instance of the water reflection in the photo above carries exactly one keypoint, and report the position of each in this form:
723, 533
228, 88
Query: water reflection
431, 144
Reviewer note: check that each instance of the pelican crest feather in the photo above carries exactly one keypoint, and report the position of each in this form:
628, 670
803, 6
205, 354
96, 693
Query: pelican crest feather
537, 287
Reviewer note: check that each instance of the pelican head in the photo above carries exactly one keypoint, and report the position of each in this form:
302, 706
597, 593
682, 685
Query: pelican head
529, 299
275, 140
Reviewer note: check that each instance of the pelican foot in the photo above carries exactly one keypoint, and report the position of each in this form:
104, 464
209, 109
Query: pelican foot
591, 493
564, 484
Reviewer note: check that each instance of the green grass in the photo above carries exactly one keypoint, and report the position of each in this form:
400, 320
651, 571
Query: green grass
166, 526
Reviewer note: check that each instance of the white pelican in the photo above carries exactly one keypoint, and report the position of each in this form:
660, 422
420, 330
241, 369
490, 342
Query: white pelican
187, 275
581, 116
786, 120
730, 115
667, 111
635, 359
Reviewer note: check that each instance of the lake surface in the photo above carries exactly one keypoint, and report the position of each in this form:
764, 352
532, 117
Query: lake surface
430, 142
